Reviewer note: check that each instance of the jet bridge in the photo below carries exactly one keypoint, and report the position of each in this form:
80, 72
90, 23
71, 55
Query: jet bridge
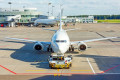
12, 20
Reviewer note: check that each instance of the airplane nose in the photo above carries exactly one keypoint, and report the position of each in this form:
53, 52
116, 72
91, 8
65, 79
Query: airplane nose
61, 49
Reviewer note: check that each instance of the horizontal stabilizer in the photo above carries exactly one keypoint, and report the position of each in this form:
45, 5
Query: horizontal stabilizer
70, 29
49, 29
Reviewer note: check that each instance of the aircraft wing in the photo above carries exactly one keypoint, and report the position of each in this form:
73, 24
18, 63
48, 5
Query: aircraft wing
70, 29
92, 40
28, 40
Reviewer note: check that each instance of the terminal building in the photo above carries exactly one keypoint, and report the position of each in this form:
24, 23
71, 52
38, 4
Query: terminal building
18, 17
89, 19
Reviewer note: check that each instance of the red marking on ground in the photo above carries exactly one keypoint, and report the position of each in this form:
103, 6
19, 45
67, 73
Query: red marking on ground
110, 69
7, 69
68, 73
39, 73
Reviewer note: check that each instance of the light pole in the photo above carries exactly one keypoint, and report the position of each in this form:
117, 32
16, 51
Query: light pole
10, 5
52, 10
48, 8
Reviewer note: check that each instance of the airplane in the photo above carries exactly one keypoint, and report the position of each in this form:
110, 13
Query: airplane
50, 22
60, 42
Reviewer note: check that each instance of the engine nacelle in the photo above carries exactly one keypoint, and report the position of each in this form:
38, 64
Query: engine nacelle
38, 46
82, 46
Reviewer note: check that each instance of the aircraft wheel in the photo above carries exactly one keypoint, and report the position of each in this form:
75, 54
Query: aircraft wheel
73, 49
68, 67
51, 67
51, 50
69, 48
48, 49
71, 65
52, 26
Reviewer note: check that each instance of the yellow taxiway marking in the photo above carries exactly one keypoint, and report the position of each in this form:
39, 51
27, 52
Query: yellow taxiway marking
35, 70
81, 70
57, 69
56, 75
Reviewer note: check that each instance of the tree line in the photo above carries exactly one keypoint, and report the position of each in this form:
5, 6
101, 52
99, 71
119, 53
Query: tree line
100, 17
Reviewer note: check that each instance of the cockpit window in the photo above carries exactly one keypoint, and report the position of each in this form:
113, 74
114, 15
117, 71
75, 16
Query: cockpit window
60, 41
58, 58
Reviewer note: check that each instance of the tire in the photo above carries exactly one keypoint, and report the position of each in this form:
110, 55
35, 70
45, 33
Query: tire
71, 65
52, 26
73, 49
68, 67
43, 26
69, 48
51, 50
48, 49
51, 67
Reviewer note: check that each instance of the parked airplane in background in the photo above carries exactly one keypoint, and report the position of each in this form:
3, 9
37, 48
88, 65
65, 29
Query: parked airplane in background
60, 42
50, 21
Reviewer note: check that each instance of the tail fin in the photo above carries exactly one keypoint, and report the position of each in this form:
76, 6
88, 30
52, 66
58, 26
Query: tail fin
61, 12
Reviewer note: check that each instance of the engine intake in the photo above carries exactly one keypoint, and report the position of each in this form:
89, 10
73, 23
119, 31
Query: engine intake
38, 46
82, 46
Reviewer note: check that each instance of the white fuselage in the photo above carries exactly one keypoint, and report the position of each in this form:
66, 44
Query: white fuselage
60, 41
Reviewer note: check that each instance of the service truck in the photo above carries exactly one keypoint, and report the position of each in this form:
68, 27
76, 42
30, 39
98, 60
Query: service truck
60, 61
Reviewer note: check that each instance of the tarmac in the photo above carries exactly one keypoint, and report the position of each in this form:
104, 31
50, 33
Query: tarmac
101, 61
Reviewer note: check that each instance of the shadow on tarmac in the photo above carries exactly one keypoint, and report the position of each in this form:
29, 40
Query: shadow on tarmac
28, 54
40, 58
108, 64
79, 77
61, 77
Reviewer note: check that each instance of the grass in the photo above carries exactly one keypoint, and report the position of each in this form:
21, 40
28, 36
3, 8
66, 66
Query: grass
109, 21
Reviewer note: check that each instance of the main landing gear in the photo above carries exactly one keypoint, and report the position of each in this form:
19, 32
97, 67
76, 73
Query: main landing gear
71, 48
49, 49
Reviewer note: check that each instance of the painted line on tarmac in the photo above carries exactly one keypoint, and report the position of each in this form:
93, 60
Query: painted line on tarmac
51, 73
4, 46
91, 66
7, 69
81, 70
35, 70
107, 57
111, 73
110, 69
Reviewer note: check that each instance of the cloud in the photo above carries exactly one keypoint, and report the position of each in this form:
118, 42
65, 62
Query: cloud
71, 7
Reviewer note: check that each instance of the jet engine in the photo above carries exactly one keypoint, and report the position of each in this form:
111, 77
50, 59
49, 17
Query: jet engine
82, 46
38, 46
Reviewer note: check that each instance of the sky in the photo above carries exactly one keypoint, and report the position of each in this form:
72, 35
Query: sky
71, 7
